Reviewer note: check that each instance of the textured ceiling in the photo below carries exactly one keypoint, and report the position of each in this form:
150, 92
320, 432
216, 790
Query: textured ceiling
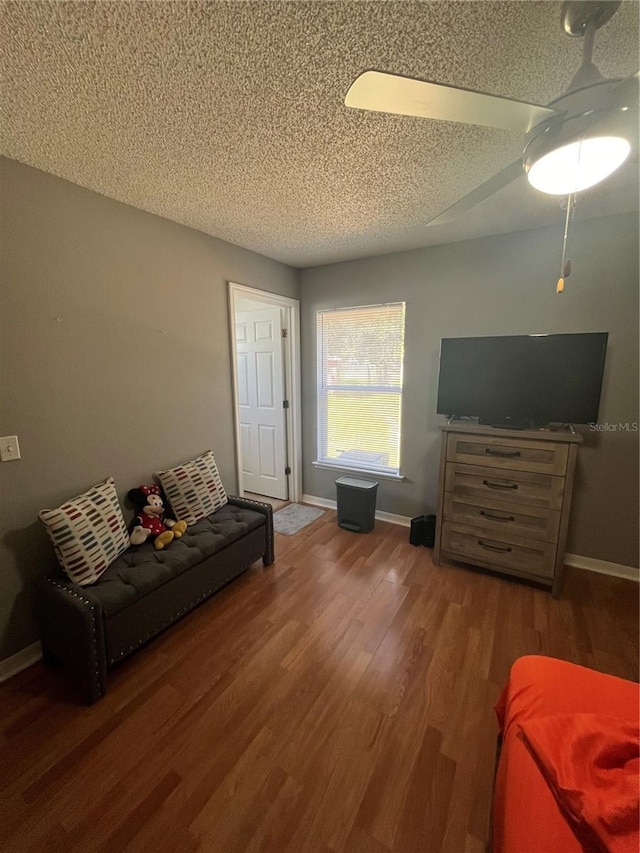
229, 117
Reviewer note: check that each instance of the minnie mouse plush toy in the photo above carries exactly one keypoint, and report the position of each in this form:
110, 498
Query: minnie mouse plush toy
150, 521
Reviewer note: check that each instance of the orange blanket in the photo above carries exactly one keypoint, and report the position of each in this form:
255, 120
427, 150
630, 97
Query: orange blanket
591, 764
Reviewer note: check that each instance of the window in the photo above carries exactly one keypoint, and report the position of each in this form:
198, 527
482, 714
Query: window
360, 354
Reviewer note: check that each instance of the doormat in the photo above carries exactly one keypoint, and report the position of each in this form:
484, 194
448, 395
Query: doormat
292, 518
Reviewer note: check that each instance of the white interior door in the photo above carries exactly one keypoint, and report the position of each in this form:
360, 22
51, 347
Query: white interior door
260, 401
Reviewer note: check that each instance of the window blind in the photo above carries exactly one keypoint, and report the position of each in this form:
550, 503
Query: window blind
360, 356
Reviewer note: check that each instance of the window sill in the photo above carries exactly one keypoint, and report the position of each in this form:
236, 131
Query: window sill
328, 466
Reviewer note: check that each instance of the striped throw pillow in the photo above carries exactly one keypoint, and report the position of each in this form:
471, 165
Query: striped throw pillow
194, 489
88, 532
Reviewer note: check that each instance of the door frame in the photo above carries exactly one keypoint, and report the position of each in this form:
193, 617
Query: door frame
292, 382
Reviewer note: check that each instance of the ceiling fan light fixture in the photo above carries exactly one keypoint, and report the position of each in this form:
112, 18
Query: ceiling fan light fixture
578, 165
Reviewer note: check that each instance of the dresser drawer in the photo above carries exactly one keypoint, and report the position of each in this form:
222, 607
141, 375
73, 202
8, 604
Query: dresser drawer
513, 553
518, 487
501, 517
544, 457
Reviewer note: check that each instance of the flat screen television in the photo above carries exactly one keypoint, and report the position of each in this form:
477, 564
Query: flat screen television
523, 380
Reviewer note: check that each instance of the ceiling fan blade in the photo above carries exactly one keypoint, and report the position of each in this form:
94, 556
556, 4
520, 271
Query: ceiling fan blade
627, 89
392, 93
481, 193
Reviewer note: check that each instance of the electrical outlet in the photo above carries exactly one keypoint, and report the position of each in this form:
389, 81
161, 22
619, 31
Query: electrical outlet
9, 448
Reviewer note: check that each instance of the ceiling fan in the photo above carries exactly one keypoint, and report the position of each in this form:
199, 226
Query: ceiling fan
571, 144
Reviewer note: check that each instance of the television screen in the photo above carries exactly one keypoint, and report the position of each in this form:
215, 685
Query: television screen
523, 380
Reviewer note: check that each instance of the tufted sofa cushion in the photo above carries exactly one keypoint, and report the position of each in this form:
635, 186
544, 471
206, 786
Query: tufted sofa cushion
142, 569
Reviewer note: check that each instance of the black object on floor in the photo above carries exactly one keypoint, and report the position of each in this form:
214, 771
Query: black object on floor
416, 535
423, 531
429, 536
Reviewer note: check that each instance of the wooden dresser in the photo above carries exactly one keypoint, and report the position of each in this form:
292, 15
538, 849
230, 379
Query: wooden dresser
504, 499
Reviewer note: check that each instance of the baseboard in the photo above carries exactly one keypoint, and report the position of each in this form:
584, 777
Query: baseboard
21, 660
602, 567
392, 518
314, 501
401, 520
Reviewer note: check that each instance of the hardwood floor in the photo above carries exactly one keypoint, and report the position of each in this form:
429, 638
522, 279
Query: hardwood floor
340, 700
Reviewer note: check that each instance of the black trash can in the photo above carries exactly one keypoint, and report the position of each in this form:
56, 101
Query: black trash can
356, 503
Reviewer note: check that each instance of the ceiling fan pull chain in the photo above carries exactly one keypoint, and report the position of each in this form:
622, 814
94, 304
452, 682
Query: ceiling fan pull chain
572, 201
565, 264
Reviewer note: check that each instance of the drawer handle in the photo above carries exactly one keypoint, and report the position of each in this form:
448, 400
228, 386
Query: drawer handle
508, 453
491, 485
497, 516
493, 547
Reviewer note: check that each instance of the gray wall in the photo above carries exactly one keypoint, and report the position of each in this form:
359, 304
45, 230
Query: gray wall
114, 357
496, 286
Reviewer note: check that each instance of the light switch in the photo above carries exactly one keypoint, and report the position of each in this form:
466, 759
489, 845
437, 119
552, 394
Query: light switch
9, 448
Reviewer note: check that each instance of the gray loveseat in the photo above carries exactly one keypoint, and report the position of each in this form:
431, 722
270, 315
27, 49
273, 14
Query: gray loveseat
91, 628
